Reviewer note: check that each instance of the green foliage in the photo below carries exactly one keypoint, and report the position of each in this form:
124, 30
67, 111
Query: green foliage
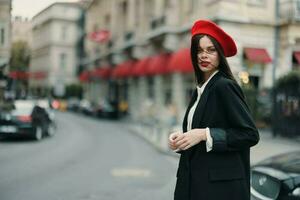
260, 104
20, 56
289, 82
251, 98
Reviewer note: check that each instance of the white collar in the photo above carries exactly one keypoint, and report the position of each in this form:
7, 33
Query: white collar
201, 89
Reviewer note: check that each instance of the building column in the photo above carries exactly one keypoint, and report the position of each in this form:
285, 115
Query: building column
178, 94
142, 93
131, 98
158, 92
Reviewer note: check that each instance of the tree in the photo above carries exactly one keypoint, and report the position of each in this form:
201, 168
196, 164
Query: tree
20, 56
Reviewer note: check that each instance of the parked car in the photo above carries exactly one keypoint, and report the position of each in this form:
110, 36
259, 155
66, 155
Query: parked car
277, 178
106, 109
86, 107
28, 118
73, 104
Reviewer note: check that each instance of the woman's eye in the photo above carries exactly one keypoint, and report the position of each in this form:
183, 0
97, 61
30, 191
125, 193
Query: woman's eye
211, 50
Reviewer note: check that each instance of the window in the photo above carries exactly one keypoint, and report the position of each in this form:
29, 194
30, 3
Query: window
213, 2
107, 20
137, 14
297, 9
167, 90
150, 81
64, 32
63, 60
296, 60
256, 2
2, 36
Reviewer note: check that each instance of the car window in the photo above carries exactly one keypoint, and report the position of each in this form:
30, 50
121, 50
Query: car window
23, 107
26, 110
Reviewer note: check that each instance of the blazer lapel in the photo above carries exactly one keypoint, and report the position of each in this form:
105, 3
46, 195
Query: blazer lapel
202, 103
193, 99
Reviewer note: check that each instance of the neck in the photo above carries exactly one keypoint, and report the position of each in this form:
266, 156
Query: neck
206, 75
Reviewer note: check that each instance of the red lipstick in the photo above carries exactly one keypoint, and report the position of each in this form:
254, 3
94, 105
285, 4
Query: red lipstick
204, 64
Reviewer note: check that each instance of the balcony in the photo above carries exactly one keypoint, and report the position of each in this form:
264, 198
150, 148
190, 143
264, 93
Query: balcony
289, 10
128, 40
158, 22
110, 44
128, 35
158, 28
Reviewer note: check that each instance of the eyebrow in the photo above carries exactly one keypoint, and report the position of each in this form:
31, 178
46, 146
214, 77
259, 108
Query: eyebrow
206, 47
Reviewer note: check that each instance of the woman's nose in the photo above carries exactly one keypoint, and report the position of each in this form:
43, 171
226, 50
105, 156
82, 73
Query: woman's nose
202, 55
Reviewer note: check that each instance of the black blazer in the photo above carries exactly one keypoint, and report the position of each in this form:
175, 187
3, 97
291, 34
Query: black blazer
224, 172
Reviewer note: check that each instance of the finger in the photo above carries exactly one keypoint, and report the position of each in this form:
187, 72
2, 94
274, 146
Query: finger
180, 137
171, 144
174, 135
180, 142
172, 147
187, 147
184, 145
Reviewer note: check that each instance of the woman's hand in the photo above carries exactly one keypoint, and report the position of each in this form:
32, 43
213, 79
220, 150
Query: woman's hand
189, 139
172, 138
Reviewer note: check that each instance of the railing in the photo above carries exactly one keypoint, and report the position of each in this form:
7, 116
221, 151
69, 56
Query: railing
158, 22
128, 35
110, 44
286, 114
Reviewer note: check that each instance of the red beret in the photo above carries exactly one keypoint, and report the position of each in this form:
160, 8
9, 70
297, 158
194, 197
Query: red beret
210, 28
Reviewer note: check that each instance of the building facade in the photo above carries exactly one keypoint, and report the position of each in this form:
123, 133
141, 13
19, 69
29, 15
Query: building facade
21, 30
265, 31
5, 33
55, 36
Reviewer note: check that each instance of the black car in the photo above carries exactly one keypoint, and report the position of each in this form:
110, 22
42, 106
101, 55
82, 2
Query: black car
27, 119
277, 178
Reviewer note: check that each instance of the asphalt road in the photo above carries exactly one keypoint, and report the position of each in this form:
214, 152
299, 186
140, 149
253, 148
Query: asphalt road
87, 159
90, 159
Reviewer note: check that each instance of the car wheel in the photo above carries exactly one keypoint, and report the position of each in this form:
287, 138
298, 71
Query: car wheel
38, 135
51, 130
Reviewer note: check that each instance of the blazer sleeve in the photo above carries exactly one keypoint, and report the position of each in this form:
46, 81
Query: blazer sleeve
242, 132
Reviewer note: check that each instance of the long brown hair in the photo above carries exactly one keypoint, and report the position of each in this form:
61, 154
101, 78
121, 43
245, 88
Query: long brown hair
223, 64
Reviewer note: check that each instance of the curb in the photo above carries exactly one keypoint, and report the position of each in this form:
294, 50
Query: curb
155, 136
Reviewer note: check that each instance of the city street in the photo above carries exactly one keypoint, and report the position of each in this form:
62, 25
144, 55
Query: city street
90, 159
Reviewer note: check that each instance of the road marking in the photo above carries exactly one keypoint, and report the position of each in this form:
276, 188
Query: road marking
130, 172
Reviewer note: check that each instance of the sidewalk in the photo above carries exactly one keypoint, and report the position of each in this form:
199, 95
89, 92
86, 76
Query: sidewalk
270, 146
267, 146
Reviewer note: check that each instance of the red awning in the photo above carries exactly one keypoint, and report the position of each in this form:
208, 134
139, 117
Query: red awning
123, 70
105, 72
181, 61
84, 76
257, 55
38, 75
159, 64
101, 72
127, 67
141, 67
297, 56
20, 75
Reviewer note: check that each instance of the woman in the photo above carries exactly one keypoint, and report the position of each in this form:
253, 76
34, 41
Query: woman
218, 129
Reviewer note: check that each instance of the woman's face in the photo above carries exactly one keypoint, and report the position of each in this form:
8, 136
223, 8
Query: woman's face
208, 58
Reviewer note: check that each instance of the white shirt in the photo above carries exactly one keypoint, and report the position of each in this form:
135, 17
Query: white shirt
192, 111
